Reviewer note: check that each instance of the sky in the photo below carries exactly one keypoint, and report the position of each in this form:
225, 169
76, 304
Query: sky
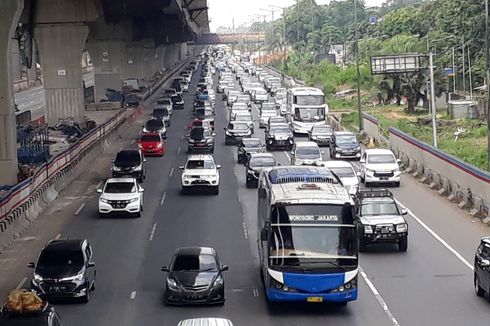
223, 12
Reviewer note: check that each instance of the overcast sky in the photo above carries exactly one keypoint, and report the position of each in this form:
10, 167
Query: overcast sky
222, 12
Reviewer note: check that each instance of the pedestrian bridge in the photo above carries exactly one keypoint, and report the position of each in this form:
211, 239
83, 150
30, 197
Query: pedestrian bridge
213, 38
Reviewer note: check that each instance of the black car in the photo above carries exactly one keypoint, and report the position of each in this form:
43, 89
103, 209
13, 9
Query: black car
132, 100
279, 136
344, 144
155, 126
200, 139
195, 277
247, 147
45, 317
321, 134
236, 131
129, 162
161, 113
177, 101
256, 163
64, 269
481, 279
380, 220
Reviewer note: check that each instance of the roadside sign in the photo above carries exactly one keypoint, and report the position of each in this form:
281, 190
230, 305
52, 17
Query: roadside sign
396, 63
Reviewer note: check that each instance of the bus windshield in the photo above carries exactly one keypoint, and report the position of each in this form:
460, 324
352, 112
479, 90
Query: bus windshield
303, 235
308, 100
309, 114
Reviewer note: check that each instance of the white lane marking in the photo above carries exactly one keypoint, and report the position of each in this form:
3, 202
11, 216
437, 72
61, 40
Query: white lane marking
436, 236
163, 198
171, 172
21, 283
99, 184
236, 290
287, 156
133, 141
58, 236
152, 234
255, 292
380, 299
79, 209
133, 295
178, 150
245, 231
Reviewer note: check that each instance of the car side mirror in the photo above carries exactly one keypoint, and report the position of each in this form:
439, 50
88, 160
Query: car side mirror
165, 269
362, 160
224, 129
218, 166
398, 161
181, 167
141, 189
358, 174
264, 234
404, 212
99, 190
144, 160
225, 268
31, 265
91, 264
213, 134
292, 153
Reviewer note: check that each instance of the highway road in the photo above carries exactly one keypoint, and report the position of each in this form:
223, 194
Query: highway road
430, 284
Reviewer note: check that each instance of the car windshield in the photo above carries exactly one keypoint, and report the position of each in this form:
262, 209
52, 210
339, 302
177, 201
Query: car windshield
280, 130
311, 152
268, 106
119, 187
268, 113
164, 102
239, 106
321, 130
346, 140
195, 263
238, 126
243, 98
150, 138
343, 172
277, 120
243, 117
60, 258
308, 99
381, 159
154, 124
199, 164
309, 114
374, 208
262, 161
251, 143
260, 92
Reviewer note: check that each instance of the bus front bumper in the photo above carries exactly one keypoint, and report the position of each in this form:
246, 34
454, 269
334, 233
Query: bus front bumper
279, 296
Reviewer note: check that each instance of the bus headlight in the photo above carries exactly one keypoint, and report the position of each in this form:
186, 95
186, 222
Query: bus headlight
280, 287
352, 284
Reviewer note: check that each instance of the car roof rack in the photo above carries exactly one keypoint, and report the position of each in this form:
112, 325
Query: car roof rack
374, 193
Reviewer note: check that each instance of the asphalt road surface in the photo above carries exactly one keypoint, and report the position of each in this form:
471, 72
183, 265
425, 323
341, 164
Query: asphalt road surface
430, 284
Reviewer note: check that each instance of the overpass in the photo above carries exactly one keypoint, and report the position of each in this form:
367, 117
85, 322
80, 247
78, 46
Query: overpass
213, 38
125, 38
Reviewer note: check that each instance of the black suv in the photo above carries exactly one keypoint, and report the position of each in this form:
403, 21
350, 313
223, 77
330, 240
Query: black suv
177, 101
279, 136
481, 279
64, 269
344, 144
380, 220
129, 162
200, 139
45, 317
256, 163
247, 147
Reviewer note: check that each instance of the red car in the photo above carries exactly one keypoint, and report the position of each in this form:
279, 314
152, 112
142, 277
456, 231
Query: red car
152, 144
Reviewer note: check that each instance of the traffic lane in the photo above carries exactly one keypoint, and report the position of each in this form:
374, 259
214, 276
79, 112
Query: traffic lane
454, 225
119, 245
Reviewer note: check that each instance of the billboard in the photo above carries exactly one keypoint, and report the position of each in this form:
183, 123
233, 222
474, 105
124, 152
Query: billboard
396, 63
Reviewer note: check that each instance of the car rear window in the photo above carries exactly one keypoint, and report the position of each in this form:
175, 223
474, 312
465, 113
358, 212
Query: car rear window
119, 187
154, 124
152, 138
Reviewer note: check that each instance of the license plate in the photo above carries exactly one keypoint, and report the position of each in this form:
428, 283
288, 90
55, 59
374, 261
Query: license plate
58, 288
384, 178
314, 299
199, 144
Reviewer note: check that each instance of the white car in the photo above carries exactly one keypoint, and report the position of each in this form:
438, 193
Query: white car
380, 166
306, 153
200, 171
346, 173
244, 117
232, 97
264, 117
121, 196
259, 95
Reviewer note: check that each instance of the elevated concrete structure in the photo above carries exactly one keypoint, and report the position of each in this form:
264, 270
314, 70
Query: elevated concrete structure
213, 38
10, 11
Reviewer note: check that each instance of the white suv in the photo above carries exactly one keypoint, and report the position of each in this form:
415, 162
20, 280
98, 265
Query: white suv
200, 171
306, 153
379, 166
121, 196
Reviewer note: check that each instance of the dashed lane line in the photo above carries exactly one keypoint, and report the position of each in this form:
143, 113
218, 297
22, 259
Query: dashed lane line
171, 172
58, 236
21, 283
255, 292
152, 233
245, 231
133, 295
79, 209
380, 299
178, 150
163, 198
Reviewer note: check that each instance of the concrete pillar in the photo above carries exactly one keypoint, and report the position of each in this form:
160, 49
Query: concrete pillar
172, 54
107, 59
137, 61
32, 72
60, 51
15, 60
10, 11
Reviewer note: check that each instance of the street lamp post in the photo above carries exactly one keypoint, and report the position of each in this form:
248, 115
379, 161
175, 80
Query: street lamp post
356, 50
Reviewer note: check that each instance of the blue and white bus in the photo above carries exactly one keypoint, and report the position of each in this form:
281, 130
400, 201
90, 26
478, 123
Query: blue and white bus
307, 240
307, 108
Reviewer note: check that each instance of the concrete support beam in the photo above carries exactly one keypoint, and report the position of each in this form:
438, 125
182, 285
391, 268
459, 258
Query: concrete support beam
60, 51
15, 60
10, 11
32, 72
138, 61
172, 54
107, 58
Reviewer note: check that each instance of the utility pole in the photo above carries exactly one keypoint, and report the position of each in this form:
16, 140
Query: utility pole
464, 67
433, 100
487, 68
356, 50
454, 74
469, 72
